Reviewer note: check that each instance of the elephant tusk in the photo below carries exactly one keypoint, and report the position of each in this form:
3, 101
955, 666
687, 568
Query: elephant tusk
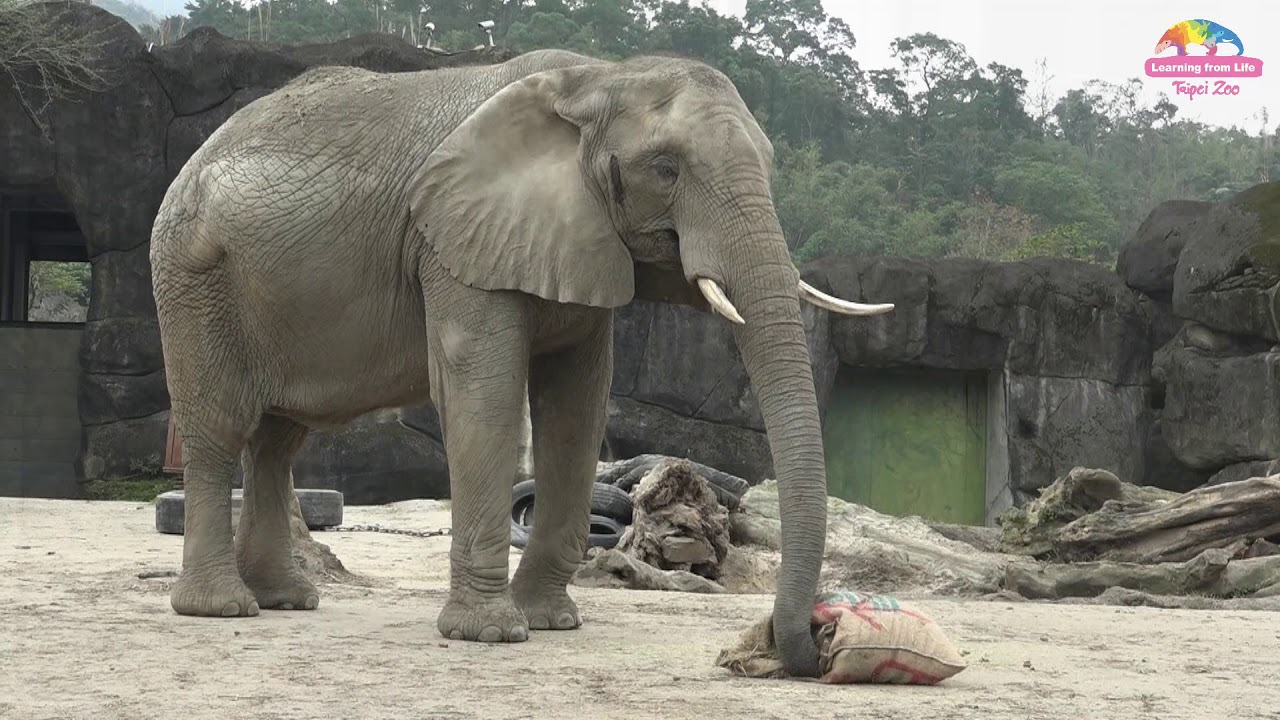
836, 305
714, 294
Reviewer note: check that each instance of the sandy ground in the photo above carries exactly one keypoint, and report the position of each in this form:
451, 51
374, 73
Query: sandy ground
81, 636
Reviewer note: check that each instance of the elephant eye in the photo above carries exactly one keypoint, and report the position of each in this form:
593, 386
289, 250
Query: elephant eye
666, 168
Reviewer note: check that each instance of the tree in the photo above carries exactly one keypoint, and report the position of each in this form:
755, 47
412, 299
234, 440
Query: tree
936, 154
46, 57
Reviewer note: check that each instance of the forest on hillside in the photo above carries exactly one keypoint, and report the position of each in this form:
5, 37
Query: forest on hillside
935, 155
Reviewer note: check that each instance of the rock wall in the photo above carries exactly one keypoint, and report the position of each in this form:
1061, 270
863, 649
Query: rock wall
112, 154
1073, 342
1213, 269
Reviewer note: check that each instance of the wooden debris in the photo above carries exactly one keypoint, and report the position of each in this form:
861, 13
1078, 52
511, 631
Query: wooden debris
1212, 573
612, 568
1233, 514
679, 524
1033, 530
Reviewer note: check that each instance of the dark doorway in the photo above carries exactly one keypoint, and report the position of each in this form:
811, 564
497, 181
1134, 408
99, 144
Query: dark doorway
44, 262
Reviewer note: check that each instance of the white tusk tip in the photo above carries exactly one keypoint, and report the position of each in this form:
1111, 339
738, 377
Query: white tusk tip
719, 302
839, 306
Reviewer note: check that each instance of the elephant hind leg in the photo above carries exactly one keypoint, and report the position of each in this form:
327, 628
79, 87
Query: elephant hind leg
568, 402
264, 545
210, 583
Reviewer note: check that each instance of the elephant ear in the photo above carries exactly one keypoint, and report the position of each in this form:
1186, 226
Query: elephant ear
506, 204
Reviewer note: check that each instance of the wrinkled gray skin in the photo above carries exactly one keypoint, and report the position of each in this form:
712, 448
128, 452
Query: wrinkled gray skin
358, 241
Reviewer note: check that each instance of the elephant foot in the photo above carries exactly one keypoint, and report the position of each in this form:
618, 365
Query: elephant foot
212, 593
483, 620
283, 591
549, 610
552, 613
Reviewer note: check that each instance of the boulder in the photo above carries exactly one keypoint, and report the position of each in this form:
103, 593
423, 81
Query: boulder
1245, 471
1148, 261
124, 447
1161, 468
639, 428
1055, 424
1047, 317
374, 460
680, 387
1164, 322
1228, 273
1222, 399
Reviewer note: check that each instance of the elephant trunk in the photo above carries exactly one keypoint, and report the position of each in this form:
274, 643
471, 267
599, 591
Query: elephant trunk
762, 283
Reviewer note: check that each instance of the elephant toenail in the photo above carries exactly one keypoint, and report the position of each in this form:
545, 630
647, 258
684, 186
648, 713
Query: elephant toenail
253, 608
490, 634
566, 621
313, 602
456, 635
286, 606
519, 634
231, 609
539, 622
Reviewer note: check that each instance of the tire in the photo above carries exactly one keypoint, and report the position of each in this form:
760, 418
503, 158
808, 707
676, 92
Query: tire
320, 508
606, 501
605, 533
729, 489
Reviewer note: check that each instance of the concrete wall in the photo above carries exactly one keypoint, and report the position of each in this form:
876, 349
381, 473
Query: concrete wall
39, 414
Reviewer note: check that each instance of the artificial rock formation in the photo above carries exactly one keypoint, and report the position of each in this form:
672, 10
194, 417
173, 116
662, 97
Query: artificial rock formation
1071, 344
1069, 340
112, 154
1216, 370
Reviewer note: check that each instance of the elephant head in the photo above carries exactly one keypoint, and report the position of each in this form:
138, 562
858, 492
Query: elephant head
598, 183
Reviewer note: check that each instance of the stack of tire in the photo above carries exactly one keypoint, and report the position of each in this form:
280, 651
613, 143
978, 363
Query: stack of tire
611, 508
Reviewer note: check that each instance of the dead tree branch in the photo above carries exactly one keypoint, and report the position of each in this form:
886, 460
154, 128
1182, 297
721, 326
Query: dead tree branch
47, 56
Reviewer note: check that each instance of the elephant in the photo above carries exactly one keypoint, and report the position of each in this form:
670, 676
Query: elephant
461, 238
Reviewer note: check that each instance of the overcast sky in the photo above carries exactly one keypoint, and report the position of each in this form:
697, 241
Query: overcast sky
1019, 32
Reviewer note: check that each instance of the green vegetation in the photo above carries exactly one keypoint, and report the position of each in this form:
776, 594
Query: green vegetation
147, 481
138, 488
935, 155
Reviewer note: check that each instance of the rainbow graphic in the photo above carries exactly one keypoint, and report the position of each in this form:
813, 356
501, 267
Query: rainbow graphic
1198, 32
1211, 36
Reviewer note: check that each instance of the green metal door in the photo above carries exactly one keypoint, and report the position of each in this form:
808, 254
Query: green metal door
909, 442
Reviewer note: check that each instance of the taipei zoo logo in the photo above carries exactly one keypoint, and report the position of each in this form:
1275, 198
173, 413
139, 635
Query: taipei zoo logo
1217, 57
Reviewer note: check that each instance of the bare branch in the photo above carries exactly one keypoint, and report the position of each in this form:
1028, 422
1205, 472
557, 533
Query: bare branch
46, 56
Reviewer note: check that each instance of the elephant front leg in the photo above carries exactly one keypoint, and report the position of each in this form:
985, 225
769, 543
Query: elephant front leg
568, 397
479, 368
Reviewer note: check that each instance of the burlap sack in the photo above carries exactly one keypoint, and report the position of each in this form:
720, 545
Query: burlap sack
861, 639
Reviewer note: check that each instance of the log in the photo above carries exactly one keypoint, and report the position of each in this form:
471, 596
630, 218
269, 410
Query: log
1212, 573
1212, 517
873, 551
1033, 530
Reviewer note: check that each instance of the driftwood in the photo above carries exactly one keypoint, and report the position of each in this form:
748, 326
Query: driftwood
1232, 514
872, 551
679, 524
1213, 573
611, 568
1034, 530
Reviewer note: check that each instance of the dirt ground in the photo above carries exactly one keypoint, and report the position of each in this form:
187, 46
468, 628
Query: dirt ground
82, 636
